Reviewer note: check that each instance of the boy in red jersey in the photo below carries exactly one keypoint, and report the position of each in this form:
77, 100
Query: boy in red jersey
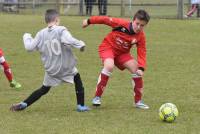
7, 72
115, 51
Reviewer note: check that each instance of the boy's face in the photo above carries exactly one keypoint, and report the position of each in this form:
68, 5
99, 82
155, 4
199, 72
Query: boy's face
138, 25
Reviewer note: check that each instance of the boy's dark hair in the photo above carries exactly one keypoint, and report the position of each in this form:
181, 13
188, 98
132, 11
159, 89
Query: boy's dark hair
51, 15
142, 15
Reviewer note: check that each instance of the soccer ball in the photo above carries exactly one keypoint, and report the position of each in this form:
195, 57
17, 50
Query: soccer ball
168, 112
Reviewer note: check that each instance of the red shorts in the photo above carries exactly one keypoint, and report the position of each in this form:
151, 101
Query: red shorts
1, 52
119, 58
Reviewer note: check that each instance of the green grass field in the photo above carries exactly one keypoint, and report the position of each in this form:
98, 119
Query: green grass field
173, 75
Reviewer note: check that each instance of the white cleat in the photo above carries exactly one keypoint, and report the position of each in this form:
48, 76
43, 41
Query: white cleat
96, 101
141, 105
185, 16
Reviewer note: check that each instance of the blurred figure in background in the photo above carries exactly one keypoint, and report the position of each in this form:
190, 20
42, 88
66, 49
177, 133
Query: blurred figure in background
102, 5
89, 6
193, 8
10, 5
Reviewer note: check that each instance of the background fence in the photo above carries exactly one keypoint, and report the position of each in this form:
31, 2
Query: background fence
156, 8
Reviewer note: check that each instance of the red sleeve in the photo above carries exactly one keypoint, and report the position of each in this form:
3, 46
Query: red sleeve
112, 22
141, 52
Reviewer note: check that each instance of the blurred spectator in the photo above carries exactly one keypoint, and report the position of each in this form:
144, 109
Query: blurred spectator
102, 5
89, 6
193, 8
10, 5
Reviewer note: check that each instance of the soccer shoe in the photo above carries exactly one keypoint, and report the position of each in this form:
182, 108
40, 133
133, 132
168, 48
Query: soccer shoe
18, 107
141, 105
187, 16
82, 108
15, 84
96, 101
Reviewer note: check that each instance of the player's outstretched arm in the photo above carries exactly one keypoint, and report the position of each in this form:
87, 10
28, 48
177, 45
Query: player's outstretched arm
109, 21
29, 42
68, 39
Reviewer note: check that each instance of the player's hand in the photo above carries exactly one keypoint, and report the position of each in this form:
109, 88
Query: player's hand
82, 48
85, 23
26, 35
82, 44
139, 72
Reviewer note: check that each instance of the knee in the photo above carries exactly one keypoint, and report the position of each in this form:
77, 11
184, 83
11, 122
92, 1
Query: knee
109, 67
5, 66
133, 67
2, 59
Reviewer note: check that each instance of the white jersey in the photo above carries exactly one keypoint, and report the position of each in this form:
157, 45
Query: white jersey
54, 45
195, 1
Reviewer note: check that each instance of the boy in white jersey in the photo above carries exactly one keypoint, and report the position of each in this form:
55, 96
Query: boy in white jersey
54, 44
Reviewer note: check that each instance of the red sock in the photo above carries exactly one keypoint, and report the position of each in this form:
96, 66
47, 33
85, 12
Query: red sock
7, 71
102, 82
192, 10
138, 89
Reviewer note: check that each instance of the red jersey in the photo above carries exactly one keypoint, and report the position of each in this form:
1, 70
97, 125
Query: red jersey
122, 37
